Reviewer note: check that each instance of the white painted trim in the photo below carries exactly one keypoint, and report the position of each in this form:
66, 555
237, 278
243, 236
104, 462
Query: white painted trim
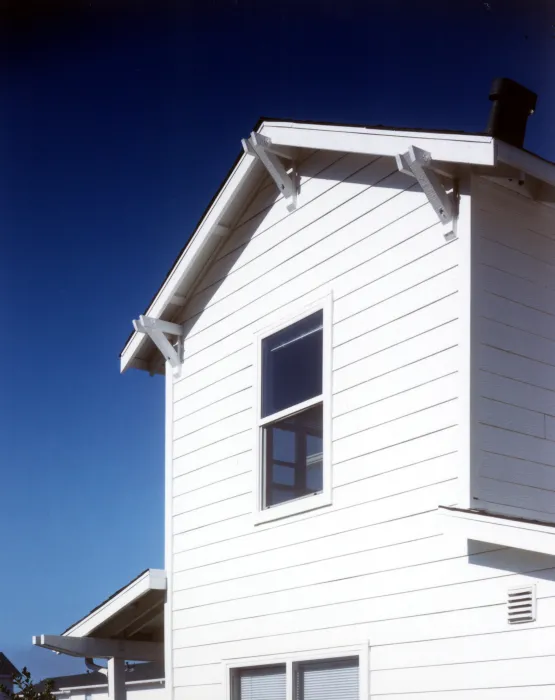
68, 688
345, 128
525, 162
476, 150
181, 272
168, 532
508, 532
297, 408
153, 579
468, 342
293, 658
295, 312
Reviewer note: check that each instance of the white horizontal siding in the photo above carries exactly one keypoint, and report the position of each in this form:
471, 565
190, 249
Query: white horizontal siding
375, 565
516, 354
407, 627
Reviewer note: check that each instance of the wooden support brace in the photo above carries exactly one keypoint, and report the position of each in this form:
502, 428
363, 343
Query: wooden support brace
156, 329
261, 147
417, 163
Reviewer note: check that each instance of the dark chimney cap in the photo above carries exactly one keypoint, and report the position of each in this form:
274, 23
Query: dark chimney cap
512, 105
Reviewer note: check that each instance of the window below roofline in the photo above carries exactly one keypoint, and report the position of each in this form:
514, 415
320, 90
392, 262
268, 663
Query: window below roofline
293, 660
321, 497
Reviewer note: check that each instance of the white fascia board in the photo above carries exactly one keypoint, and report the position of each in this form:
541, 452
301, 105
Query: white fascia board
505, 531
68, 688
525, 162
210, 226
452, 148
153, 579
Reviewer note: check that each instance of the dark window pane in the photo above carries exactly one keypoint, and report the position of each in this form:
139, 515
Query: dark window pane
314, 462
284, 445
283, 475
301, 473
292, 364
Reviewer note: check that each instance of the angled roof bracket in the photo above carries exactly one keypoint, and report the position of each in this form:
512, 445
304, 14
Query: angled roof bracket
156, 329
418, 164
261, 147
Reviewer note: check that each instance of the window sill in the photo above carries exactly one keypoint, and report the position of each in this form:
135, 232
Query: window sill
296, 507
518, 533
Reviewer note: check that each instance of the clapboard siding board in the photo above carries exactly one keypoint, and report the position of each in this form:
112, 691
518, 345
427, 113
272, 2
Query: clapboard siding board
471, 622
395, 382
361, 538
451, 580
515, 285
262, 293
319, 525
375, 565
530, 692
510, 286
506, 673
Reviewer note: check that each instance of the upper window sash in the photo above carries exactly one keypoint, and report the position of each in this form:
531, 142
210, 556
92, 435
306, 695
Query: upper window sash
292, 365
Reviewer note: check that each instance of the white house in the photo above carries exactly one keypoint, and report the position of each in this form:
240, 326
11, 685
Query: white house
7, 672
142, 682
358, 345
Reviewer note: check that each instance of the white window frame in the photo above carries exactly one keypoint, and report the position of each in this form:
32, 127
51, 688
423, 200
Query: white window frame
304, 503
292, 660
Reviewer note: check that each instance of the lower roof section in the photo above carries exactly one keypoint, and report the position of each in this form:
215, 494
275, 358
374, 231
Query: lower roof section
135, 612
146, 673
505, 530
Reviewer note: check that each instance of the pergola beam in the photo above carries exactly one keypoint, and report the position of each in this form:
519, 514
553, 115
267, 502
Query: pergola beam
92, 647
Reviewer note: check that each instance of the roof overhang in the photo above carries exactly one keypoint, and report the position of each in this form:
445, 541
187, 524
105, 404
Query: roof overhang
128, 625
141, 598
504, 530
452, 149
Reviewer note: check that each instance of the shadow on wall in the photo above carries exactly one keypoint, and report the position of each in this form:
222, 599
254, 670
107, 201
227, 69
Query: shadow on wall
512, 561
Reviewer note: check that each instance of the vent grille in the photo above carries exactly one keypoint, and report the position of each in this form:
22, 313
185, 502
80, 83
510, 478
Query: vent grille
521, 605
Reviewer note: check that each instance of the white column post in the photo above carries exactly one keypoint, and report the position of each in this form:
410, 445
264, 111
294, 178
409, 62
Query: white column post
116, 679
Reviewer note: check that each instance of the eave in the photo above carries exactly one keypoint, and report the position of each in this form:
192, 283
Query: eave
150, 584
504, 530
128, 625
452, 149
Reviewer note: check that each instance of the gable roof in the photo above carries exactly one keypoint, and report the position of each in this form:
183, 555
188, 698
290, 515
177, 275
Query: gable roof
134, 673
6, 666
446, 146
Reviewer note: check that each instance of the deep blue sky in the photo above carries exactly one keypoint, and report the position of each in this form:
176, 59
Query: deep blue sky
116, 127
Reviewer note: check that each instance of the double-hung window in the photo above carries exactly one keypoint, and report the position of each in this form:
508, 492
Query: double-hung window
293, 405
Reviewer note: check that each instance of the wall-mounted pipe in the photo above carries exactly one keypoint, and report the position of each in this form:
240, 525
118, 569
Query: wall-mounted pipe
90, 664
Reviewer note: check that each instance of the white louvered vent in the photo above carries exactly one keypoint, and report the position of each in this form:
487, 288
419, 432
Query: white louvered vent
521, 605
